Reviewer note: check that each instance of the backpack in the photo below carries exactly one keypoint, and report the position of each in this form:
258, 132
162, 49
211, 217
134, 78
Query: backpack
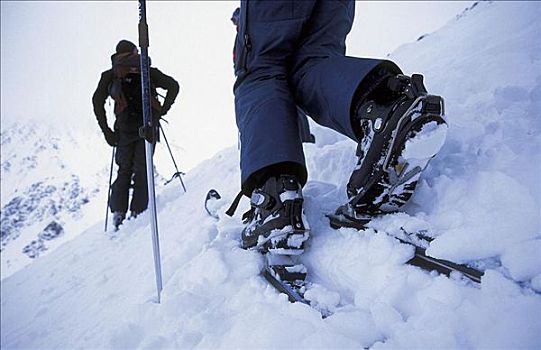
125, 89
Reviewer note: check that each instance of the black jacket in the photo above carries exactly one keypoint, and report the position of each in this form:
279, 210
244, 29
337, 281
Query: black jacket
124, 123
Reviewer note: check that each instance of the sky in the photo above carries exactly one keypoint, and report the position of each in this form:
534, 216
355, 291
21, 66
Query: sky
52, 54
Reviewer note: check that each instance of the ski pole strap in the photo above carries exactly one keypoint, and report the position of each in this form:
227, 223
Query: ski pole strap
235, 204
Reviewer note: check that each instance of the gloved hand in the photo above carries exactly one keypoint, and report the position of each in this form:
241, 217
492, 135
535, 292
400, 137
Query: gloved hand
165, 108
111, 137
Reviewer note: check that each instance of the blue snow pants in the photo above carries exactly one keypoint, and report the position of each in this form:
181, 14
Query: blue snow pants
292, 53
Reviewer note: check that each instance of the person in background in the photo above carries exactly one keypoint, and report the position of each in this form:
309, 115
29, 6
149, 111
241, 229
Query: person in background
123, 83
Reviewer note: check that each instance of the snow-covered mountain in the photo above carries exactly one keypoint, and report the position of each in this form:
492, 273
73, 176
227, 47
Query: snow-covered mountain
480, 199
50, 186
54, 181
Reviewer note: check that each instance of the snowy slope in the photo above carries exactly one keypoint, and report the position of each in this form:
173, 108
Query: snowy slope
480, 198
486, 183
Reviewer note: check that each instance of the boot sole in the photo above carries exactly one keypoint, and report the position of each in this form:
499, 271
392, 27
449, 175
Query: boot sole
424, 110
418, 137
408, 166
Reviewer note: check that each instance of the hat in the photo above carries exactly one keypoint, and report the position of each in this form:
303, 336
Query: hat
125, 46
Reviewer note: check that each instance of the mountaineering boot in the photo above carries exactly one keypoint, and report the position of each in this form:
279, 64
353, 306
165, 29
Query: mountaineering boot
134, 214
399, 134
276, 222
118, 218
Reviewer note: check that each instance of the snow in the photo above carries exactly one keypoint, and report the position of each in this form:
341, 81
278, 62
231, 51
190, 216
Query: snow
480, 199
523, 259
428, 142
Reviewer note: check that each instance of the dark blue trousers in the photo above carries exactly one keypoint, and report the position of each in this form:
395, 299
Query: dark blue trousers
292, 53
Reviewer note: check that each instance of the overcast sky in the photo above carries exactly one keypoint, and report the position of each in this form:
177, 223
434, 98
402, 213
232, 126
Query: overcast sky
52, 54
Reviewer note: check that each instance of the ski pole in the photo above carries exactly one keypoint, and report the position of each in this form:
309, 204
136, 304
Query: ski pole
109, 190
149, 130
178, 173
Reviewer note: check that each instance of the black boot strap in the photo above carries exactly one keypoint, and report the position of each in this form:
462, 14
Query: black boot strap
235, 204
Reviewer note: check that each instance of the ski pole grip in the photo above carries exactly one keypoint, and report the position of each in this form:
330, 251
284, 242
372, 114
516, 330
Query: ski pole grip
147, 132
143, 34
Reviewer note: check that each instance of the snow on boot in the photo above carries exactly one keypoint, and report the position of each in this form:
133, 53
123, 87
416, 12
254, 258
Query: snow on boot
276, 221
118, 218
399, 137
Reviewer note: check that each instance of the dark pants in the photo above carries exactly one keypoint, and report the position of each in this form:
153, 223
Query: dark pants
131, 162
291, 53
